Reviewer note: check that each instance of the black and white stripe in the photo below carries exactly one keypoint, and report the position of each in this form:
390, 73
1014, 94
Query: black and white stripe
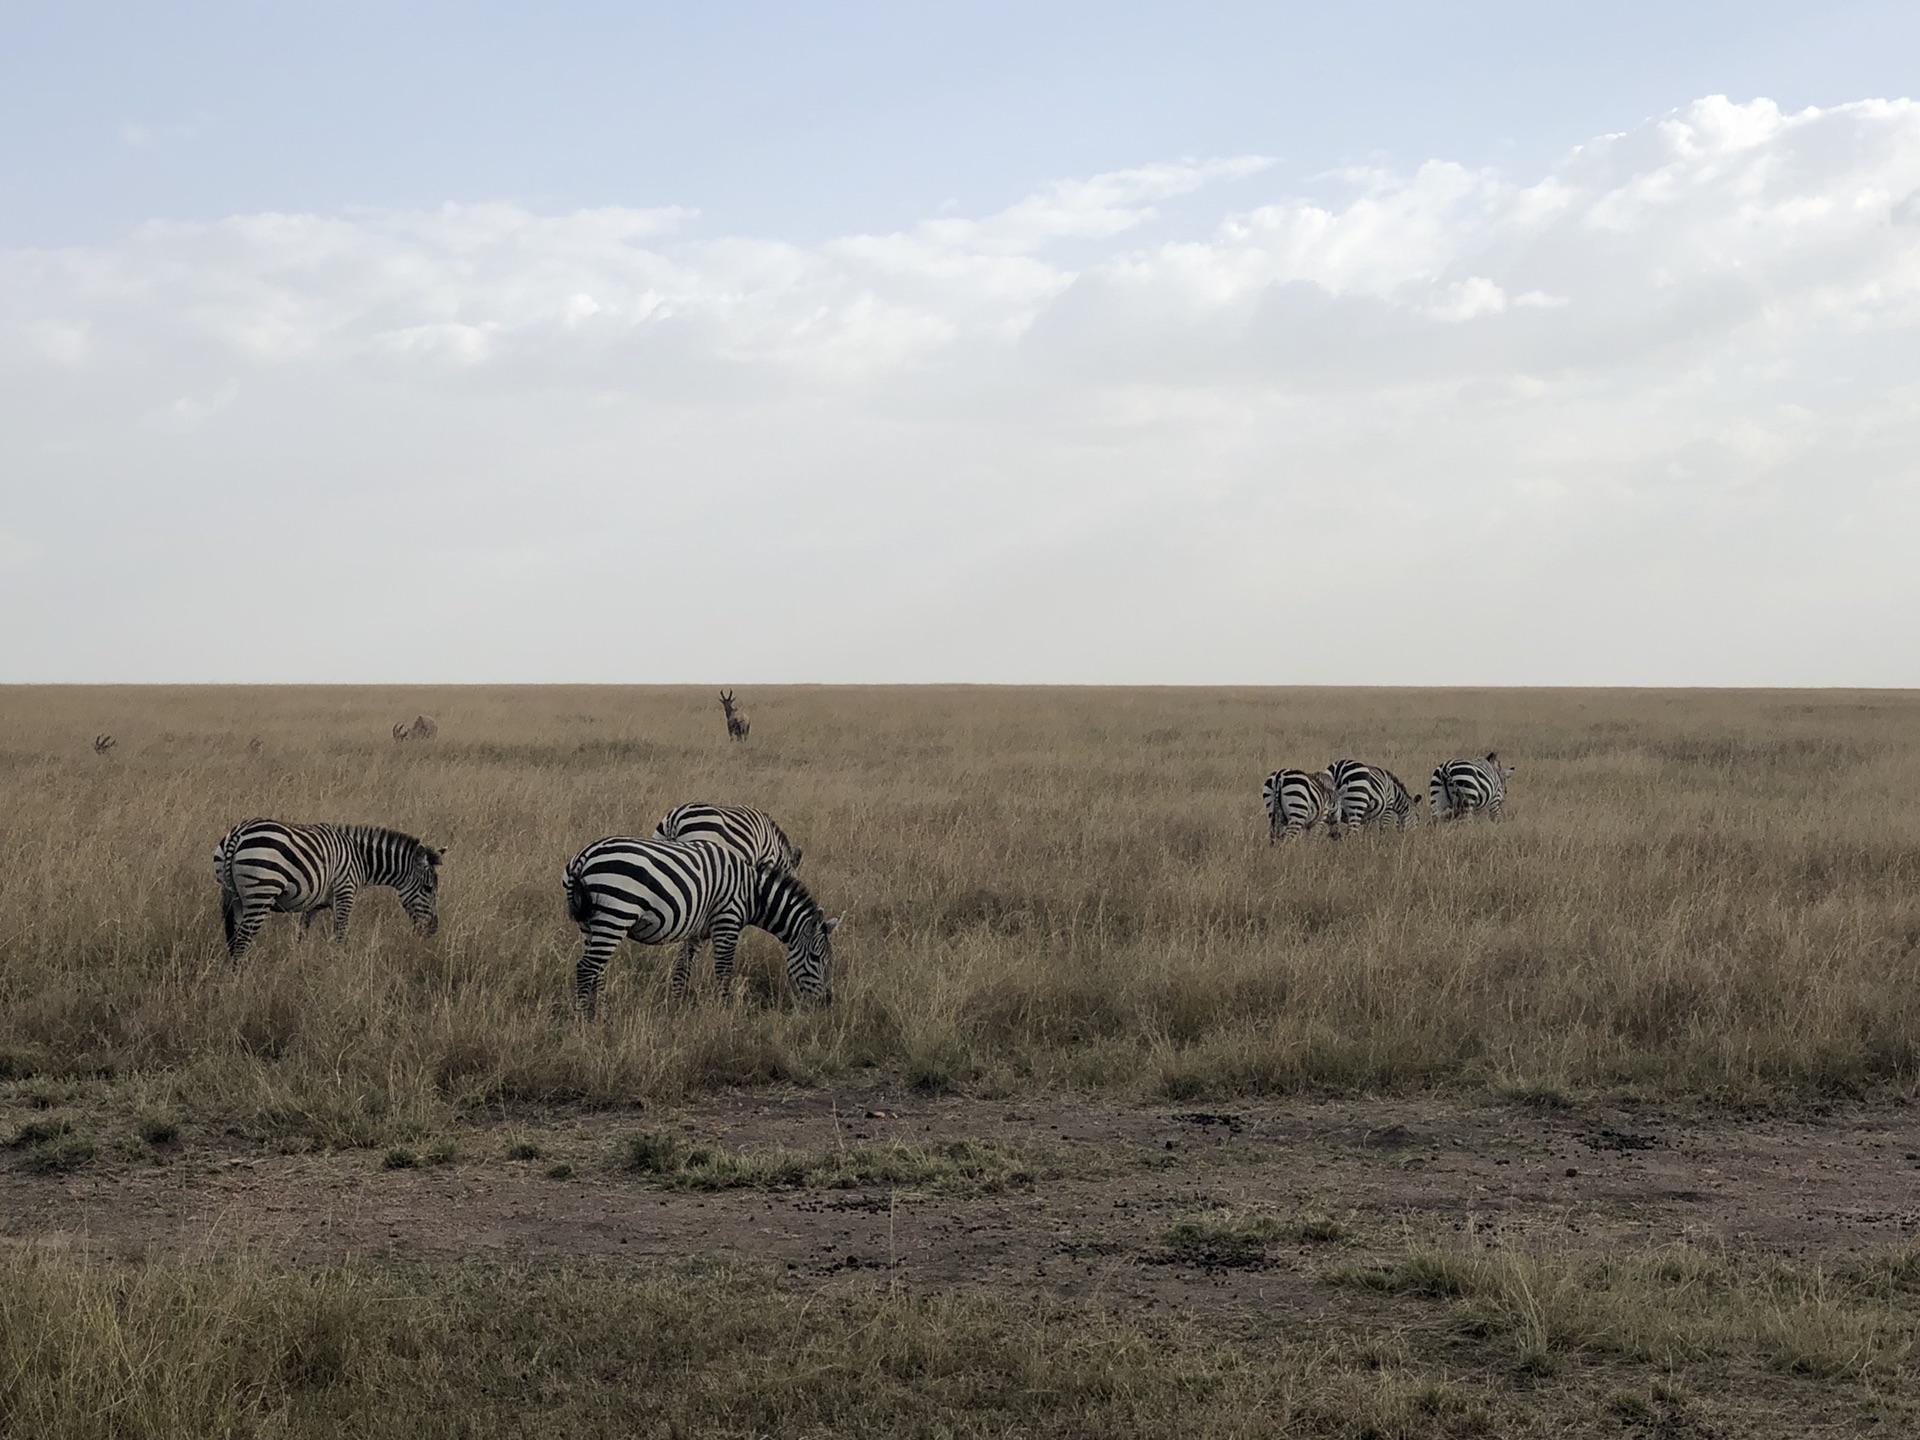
752, 832
264, 866
1460, 787
1296, 801
1365, 796
656, 891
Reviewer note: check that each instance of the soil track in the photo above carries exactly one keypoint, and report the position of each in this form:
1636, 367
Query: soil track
1112, 1179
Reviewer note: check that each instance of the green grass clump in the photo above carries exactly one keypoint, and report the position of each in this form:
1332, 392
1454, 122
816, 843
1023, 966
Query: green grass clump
1226, 1241
678, 1164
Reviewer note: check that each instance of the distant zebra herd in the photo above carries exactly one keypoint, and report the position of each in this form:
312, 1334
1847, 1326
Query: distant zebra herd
709, 871
706, 873
1349, 795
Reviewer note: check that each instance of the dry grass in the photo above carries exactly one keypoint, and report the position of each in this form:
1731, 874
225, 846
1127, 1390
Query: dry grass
1538, 1345
1670, 1305
1694, 893
239, 1347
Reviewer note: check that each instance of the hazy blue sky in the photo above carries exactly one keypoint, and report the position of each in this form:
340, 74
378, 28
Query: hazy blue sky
1397, 343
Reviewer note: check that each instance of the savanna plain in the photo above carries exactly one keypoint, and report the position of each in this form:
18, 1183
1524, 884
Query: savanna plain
1122, 1122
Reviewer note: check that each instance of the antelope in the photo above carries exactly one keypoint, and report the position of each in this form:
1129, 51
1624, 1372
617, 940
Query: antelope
736, 717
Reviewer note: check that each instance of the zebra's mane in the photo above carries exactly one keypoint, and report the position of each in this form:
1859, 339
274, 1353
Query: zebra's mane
383, 835
779, 891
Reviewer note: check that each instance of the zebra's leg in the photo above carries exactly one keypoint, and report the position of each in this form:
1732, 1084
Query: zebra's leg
726, 935
229, 913
342, 909
307, 917
252, 915
601, 942
682, 968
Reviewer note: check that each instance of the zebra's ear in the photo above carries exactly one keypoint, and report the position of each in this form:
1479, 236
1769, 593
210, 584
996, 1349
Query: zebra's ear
434, 857
829, 926
1493, 756
797, 853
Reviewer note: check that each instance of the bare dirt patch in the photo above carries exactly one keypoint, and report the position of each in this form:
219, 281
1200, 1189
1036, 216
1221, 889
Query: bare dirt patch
1252, 1220
1109, 1178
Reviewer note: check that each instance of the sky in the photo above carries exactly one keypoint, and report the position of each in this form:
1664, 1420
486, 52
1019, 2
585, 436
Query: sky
1119, 343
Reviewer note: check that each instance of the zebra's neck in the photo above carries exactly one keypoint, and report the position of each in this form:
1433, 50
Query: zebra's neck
781, 904
384, 855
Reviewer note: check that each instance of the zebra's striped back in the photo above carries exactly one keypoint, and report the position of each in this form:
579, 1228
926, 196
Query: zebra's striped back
659, 891
1296, 801
1366, 795
267, 865
752, 832
1460, 787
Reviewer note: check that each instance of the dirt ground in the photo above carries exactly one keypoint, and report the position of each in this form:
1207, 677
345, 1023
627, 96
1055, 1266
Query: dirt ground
1111, 1179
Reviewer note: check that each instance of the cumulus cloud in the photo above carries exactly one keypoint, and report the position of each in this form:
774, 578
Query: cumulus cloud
1648, 418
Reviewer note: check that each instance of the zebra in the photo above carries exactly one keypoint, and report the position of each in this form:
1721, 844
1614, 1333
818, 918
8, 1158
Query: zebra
690, 890
1296, 801
752, 832
1461, 787
736, 717
264, 866
1366, 795
422, 728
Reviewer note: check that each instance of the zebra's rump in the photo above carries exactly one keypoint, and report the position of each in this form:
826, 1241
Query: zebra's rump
294, 860
1367, 794
753, 833
655, 890
1459, 787
1295, 800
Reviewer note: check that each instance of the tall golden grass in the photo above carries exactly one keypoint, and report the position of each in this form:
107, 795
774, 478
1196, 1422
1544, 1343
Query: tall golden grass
1700, 893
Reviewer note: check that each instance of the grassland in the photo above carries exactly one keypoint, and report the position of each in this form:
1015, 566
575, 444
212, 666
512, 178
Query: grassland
1704, 894
1051, 896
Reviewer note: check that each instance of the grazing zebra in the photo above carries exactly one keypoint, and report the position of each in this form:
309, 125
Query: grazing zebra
688, 890
1366, 795
1296, 801
736, 717
266, 866
1461, 787
103, 743
752, 832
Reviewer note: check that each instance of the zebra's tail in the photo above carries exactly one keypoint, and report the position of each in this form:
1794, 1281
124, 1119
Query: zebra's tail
579, 902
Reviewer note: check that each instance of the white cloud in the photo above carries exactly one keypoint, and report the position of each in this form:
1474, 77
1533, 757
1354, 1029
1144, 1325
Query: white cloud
1651, 417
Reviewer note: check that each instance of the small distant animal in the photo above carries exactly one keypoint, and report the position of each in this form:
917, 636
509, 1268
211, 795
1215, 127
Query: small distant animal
103, 743
1365, 796
264, 866
1460, 787
753, 833
1296, 801
657, 891
736, 717
422, 728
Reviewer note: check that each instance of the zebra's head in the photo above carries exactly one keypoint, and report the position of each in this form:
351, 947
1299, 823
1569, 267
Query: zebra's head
783, 907
419, 885
1505, 772
810, 956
